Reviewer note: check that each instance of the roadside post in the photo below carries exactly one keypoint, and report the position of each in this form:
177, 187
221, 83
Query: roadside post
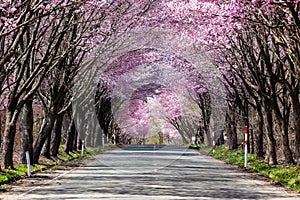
114, 136
82, 148
246, 132
198, 138
213, 140
28, 163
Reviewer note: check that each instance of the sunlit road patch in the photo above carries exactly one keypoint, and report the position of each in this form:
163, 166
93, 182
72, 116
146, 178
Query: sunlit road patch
150, 172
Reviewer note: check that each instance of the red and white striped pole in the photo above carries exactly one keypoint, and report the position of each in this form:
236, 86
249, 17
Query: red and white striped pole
198, 137
246, 131
114, 137
213, 140
115, 142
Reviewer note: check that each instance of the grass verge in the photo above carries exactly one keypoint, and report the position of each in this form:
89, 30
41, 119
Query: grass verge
8, 176
285, 175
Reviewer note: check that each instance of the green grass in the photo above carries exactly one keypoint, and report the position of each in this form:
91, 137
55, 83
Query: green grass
8, 175
286, 175
20, 170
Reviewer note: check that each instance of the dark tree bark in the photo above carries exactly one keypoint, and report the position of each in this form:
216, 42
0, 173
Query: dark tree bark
56, 136
74, 142
46, 148
205, 106
232, 137
286, 144
259, 139
70, 137
296, 117
45, 131
252, 144
283, 124
104, 113
81, 124
272, 155
26, 128
9, 138
231, 130
0, 132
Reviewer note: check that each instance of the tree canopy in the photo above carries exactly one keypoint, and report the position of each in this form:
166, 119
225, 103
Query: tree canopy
147, 66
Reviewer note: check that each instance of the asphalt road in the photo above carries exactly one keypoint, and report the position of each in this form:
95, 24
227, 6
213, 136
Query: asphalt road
148, 172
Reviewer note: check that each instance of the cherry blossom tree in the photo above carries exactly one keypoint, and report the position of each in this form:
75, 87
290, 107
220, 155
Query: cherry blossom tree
41, 38
152, 62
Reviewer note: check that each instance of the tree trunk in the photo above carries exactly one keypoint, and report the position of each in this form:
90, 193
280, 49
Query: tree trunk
88, 140
95, 130
70, 137
208, 139
252, 140
283, 127
231, 131
234, 136
56, 136
9, 138
286, 143
282, 113
272, 156
74, 144
98, 136
93, 138
228, 132
46, 147
81, 123
79, 143
93, 135
296, 116
26, 128
45, 131
259, 139
105, 138
0, 132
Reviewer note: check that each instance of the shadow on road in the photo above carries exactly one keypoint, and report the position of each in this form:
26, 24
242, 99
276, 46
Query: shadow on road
192, 176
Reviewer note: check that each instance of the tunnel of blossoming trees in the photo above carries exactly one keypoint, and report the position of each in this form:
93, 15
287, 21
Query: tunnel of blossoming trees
151, 90
156, 91
75, 71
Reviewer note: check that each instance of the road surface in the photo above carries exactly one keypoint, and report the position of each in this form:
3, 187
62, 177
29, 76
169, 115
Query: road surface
148, 172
